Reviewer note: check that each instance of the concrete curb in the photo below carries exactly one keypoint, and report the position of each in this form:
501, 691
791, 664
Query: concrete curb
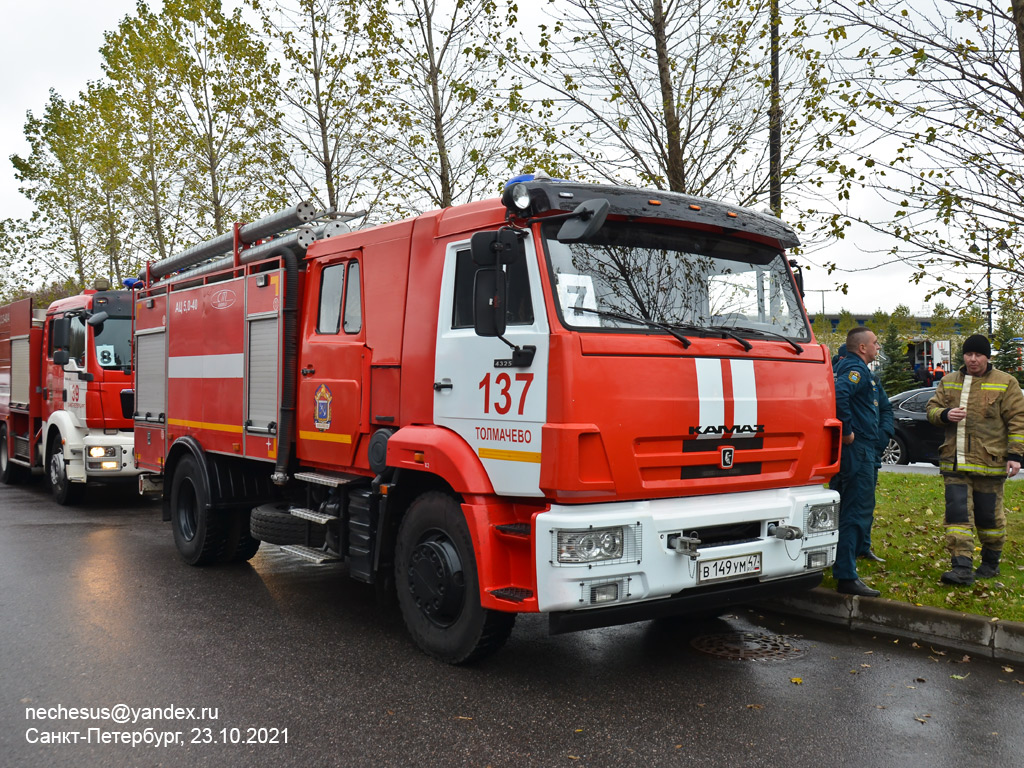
992, 638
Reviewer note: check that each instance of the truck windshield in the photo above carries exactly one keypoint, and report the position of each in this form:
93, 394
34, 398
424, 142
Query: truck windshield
114, 343
673, 277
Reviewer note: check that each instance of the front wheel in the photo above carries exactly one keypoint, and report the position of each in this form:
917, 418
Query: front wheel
199, 535
895, 452
64, 491
438, 589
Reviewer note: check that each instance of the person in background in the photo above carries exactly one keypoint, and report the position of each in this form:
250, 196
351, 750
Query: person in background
857, 408
982, 410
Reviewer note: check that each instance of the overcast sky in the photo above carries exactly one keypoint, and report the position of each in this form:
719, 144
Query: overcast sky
56, 45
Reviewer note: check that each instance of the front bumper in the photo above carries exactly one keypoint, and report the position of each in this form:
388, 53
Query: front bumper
654, 567
118, 459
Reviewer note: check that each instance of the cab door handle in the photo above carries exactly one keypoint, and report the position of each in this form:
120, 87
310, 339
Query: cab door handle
308, 371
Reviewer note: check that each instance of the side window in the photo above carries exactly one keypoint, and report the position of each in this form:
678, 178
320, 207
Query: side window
353, 300
917, 403
49, 338
76, 341
331, 280
518, 301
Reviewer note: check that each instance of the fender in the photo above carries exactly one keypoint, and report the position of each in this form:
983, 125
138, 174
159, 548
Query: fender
181, 447
440, 452
74, 443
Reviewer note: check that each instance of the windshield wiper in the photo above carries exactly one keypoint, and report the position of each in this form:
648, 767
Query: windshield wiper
773, 334
728, 332
623, 317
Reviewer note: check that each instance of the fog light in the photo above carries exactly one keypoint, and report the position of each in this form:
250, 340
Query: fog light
604, 593
817, 560
591, 545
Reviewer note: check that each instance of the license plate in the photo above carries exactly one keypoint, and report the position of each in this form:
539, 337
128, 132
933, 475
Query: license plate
728, 568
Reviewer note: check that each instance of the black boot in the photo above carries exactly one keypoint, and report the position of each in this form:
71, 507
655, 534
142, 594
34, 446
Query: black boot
989, 564
962, 573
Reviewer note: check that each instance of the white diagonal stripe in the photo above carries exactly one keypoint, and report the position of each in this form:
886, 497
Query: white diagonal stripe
710, 394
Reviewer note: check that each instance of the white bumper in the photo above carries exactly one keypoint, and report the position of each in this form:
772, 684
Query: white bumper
650, 568
121, 446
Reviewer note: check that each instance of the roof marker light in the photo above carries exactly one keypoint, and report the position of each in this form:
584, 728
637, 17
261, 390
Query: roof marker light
694, 207
654, 202
731, 215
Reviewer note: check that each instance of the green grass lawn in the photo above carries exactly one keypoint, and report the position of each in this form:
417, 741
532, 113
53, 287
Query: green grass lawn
908, 533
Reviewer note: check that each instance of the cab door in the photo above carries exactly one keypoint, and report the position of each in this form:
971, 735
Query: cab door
331, 361
499, 409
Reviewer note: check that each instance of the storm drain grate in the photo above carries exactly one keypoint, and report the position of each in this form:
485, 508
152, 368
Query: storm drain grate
744, 646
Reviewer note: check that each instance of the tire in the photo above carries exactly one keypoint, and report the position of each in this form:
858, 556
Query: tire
241, 546
64, 491
10, 473
895, 452
272, 523
199, 535
438, 589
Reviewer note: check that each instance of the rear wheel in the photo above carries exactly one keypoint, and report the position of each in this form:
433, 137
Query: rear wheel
895, 452
438, 589
10, 473
241, 546
199, 535
64, 491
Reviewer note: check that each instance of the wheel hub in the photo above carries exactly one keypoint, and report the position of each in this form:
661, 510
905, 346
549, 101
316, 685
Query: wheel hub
436, 580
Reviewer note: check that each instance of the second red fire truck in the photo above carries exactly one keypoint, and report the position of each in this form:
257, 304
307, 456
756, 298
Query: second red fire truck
600, 403
66, 391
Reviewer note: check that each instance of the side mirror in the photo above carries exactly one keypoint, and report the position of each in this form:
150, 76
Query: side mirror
798, 275
489, 302
587, 218
499, 247
97, 319
61, 357
61, 333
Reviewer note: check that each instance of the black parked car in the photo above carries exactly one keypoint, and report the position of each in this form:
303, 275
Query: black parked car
915, 439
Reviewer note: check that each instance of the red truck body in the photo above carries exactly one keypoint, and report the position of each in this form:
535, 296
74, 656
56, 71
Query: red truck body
646, 430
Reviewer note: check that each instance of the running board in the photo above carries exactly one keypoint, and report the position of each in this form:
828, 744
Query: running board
309, 553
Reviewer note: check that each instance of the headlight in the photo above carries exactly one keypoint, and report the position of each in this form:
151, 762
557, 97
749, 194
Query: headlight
590, 546
99, 452
820, 518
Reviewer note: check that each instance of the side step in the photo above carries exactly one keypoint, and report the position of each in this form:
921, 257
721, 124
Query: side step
313, 516
322, 478
309, 553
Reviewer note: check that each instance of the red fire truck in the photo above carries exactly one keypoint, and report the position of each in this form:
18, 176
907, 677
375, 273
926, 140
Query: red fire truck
65, 391
596, 402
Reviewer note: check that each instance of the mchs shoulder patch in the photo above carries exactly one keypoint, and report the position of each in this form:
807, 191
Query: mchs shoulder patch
855, 377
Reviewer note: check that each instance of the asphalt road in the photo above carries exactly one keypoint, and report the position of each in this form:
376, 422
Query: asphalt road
97, 610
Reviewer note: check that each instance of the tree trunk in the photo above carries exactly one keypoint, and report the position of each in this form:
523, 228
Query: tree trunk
675, 169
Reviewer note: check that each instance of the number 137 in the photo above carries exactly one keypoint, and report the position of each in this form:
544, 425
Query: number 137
503, 391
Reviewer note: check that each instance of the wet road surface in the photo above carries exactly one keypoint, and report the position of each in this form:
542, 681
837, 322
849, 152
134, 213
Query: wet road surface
96, 610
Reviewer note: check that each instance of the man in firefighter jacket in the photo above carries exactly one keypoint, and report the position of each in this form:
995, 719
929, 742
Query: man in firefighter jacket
857, 408
982, 410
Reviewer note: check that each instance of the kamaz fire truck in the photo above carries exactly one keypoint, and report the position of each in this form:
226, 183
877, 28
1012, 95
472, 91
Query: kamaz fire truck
600, 403
65, 391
